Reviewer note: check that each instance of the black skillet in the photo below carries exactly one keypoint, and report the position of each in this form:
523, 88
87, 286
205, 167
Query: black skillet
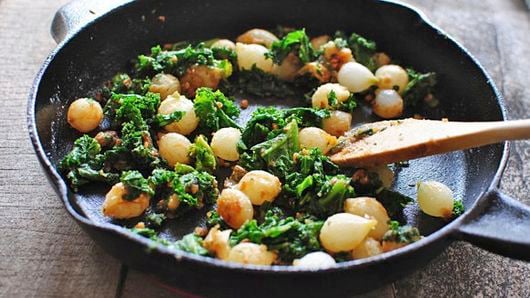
91, 49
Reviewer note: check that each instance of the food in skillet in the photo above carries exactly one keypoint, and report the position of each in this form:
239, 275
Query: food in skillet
171, 125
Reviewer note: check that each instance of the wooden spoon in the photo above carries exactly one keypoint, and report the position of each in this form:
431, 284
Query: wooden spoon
392, 141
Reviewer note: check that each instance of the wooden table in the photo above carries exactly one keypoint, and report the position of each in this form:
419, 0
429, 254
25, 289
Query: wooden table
44, 253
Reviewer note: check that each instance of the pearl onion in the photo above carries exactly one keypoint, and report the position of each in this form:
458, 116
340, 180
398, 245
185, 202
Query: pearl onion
314, 137
189, 121
257, 36
251, 253
84, 114
390, 76
165, 85
234, 207
337, 123
116, 207
387, 104
224, 143
356, 77
435, 199
371, 208
368, 248
252, 54
315, 260
344, 231
224, 44
174, 148
260, 186
319, 100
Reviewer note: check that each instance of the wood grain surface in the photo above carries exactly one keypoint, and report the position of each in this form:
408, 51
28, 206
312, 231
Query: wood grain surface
44, 253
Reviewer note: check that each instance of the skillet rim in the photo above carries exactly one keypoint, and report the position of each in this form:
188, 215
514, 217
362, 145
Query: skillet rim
64, 192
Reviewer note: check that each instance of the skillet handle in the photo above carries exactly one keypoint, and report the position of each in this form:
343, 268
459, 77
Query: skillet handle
77, 13
499, 224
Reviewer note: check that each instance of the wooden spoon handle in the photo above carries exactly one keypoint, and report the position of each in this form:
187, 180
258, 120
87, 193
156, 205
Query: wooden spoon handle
406, 139
475, 134
499, 131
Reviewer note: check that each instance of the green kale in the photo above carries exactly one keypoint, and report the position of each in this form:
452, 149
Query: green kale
136, 148
135, 184
203, 155
314, 186
85, 149
274, 155
122, 83
145, 232
132, 108
318, 195
363, 49
458, 208
214, 110
267, 122
262, 122
84, 163
394, 202
420, 85
177, 61
259, 83
288, 237
134, 113
162, 120
348, 105
191, 243
193, 189
401, 234
225, 54
154, 220
305, 117
213, 218
294, 42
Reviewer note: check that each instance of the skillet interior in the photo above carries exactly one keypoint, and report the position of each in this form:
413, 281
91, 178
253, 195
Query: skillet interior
104, 47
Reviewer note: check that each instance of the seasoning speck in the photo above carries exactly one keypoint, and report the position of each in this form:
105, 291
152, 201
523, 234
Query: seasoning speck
243, 104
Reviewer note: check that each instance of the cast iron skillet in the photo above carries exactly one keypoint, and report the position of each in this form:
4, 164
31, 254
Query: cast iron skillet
91, 49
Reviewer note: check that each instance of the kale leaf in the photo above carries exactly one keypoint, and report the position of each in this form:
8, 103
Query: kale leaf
214, 110
401, 234
314, 185
267, 122
84, 163
294, 42
135, 184
191, 243
348, 105
458, 208
175, 62
193, 189
259, 83
162, 120
203, 155
135, 108
288, 237
274, 155
420, 85
363, 50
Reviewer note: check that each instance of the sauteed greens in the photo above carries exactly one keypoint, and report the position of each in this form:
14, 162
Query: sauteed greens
161, 134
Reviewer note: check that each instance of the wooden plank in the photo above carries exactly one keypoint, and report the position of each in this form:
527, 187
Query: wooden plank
496, 32
42, 252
